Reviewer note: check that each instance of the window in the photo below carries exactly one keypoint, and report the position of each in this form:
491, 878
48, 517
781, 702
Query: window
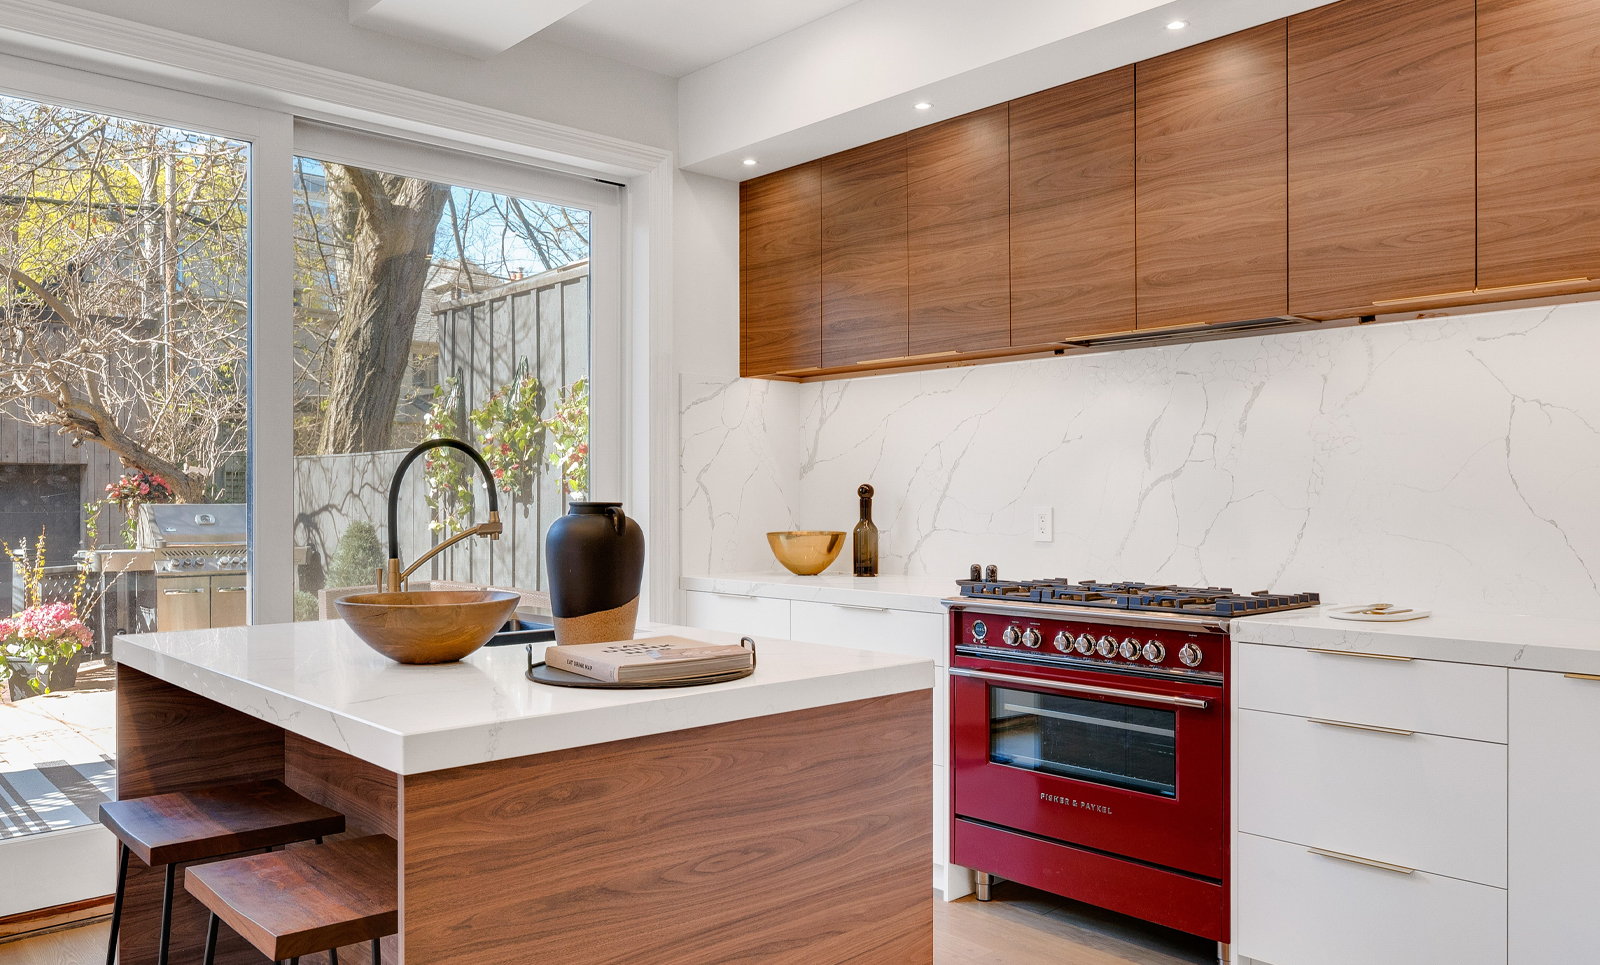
426, 309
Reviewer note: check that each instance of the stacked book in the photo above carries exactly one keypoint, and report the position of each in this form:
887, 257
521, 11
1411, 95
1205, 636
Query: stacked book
651, 660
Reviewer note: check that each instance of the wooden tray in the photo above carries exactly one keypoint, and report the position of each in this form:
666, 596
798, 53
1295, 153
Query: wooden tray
539, 673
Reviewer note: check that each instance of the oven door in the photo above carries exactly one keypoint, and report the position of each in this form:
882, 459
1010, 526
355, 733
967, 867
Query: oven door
1132, 766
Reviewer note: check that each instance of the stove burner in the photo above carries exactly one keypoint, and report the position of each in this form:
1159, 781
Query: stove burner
1215, 600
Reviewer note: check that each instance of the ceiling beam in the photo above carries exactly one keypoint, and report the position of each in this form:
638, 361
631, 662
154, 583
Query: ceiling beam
476, 28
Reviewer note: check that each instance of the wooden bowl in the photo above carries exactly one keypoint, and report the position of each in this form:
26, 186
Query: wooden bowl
806, 552
427, 626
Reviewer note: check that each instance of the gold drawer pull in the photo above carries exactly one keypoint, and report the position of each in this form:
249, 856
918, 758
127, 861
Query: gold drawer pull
1352, 653
1345, 723
1382, 865
1582, 676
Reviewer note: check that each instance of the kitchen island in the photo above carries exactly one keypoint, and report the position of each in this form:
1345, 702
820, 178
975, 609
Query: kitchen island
780, 818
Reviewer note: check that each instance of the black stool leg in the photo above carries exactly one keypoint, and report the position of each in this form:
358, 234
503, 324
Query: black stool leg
211, 940
116, 907
377, 956
166, 914
333, 956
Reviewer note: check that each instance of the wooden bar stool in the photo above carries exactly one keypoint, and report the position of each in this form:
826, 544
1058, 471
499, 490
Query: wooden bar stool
170, 829
304, 900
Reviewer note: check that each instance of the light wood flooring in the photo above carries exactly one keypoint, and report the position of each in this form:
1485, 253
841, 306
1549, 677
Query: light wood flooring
1020, 927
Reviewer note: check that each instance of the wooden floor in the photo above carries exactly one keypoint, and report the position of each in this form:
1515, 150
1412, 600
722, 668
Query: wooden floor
1020, 927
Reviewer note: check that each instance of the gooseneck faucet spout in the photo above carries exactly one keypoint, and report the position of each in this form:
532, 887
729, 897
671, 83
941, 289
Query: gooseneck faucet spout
396, 576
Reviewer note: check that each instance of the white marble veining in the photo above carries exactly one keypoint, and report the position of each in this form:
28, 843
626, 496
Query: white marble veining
1446, 463
1522, 642
320, 681
890, 592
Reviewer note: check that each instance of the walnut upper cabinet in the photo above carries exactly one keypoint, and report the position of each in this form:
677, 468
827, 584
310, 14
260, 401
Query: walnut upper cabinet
1381, 154
864, 263
1072, 210
1538, 144
1212, 194
780, 271
957, 227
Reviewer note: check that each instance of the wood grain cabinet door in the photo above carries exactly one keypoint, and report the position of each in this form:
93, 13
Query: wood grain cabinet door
864, 274
780, 271
1072, 210
957, 234
1538, 142
1212, 196
1381, 154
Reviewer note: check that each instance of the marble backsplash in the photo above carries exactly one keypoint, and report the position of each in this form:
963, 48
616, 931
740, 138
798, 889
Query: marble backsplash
1450, 462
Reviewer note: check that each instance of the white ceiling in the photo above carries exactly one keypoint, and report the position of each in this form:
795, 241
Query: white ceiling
677, 37
672, 37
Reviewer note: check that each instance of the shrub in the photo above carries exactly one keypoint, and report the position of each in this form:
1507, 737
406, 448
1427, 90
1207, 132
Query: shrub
305, 606
357, 557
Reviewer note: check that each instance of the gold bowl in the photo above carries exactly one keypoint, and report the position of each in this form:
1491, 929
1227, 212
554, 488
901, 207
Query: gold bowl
432, 626
806, 552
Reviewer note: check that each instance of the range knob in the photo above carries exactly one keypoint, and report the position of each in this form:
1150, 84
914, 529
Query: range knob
979, 631
1084, 644
1063, 641
1129, 650
1031, 638
1012, 636
1190, 655
1154, 652
1106, 647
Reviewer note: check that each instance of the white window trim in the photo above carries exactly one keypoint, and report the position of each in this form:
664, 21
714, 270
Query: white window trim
95, 43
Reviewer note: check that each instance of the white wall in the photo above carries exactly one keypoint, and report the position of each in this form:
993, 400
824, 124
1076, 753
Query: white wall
706, 269
1446, 462
535, 78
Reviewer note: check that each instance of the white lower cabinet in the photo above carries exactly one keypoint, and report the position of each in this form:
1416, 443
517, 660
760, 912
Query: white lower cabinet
1435, 804
754, 616
1300, 908
1554, 828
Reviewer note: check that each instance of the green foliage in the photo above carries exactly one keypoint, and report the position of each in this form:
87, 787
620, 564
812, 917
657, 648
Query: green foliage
511, 434
357, 557
305, 606
569, 431
446, 472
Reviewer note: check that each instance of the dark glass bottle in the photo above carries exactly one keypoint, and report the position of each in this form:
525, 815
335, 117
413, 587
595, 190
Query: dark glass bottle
866, 548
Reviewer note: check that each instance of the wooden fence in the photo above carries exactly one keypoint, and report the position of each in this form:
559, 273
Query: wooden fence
484, 339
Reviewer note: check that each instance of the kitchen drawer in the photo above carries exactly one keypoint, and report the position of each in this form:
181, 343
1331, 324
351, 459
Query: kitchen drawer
747, 615
1299, 908
1437, 804
907, 632
1430, 696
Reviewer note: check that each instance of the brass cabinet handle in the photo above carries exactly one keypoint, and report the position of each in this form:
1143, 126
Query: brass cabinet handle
861, 606
1352, 653
1582, 676
1369, 862
1065, 687
733, 596
1375, 727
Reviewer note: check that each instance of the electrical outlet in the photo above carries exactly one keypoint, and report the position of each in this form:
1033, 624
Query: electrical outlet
1044, 524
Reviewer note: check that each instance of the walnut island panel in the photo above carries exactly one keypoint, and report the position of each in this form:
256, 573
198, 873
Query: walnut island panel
781, 818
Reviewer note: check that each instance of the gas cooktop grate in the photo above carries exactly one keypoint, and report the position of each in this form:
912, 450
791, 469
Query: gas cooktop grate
1213, 600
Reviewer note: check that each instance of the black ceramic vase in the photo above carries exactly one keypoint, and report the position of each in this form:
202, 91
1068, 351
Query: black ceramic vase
596, 559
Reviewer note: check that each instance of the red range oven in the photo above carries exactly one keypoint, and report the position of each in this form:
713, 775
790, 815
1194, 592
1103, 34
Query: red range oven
1089, 745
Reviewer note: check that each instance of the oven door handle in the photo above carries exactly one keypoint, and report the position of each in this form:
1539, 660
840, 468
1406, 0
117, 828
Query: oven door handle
1193, 702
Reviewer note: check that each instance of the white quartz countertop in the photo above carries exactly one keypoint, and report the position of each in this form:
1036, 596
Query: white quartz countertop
1564, 645
891, 592
320, 681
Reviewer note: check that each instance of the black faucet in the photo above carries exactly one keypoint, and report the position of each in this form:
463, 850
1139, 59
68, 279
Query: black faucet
491, 529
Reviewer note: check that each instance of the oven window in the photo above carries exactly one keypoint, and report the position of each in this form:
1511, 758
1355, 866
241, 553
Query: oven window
1088, 740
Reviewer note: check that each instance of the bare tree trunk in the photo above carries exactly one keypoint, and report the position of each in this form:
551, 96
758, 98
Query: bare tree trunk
395, 221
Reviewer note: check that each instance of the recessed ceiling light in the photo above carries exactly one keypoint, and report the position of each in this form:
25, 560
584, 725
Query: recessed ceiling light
1177, 24
749, 161
922, 106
